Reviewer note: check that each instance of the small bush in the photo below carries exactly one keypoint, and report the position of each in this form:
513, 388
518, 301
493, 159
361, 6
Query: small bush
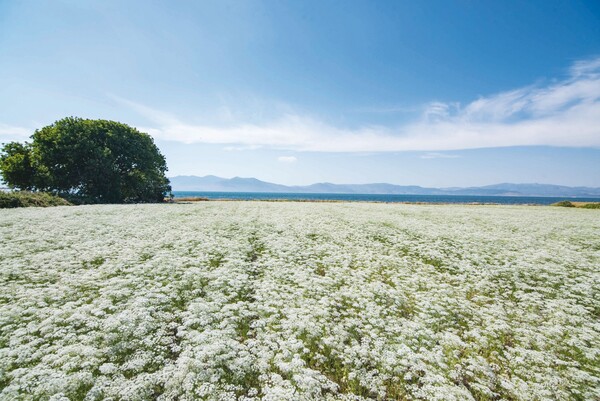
29, 199
591, 206
564, 203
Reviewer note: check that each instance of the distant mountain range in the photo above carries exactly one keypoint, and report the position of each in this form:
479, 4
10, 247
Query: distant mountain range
211, 183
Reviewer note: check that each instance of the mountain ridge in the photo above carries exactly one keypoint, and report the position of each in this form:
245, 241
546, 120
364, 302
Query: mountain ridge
211, 183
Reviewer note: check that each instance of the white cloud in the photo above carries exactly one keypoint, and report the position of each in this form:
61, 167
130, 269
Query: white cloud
586, 67
437, 111
563, 113
287, 159
240, 148
437, 155
10, 133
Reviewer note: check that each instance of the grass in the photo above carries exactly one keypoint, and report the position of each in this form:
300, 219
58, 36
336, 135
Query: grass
583, 205
30, 199
187, 199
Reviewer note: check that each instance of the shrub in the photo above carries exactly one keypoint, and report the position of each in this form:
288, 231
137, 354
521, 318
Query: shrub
564, 203
27, 199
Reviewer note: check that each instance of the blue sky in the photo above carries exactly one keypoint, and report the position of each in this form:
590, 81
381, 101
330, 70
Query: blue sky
433, 93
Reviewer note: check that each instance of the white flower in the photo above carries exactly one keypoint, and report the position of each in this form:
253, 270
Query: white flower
299, 301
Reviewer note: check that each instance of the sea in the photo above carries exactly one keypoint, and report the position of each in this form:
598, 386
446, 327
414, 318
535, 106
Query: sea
460, 199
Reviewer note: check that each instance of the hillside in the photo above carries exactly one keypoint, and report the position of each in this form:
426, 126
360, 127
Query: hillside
211, 183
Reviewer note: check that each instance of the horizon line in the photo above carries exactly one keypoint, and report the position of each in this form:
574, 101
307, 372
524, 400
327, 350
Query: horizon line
386, 183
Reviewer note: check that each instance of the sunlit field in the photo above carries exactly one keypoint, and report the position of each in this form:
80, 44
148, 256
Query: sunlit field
299, 301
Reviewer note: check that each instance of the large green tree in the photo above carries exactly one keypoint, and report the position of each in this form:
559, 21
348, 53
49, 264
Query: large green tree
93, 161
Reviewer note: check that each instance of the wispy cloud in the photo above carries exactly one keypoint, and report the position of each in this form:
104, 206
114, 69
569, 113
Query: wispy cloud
437, 155
10, 133
586, 67
240, 148
563, 113
287, 159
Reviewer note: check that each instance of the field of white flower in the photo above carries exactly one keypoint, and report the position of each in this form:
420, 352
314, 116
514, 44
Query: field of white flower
299, 301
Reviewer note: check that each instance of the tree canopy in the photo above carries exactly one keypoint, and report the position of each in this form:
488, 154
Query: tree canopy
90, 161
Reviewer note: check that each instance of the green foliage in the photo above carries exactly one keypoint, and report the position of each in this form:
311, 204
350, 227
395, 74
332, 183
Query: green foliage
88, 161
16, 167
26, 199
564, 203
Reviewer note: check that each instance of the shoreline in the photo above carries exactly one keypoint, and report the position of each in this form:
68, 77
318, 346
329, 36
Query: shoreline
195, 196
191, 200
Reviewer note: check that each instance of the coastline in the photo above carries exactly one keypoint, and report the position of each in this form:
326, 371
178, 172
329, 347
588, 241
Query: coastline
324, 197
191, 200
